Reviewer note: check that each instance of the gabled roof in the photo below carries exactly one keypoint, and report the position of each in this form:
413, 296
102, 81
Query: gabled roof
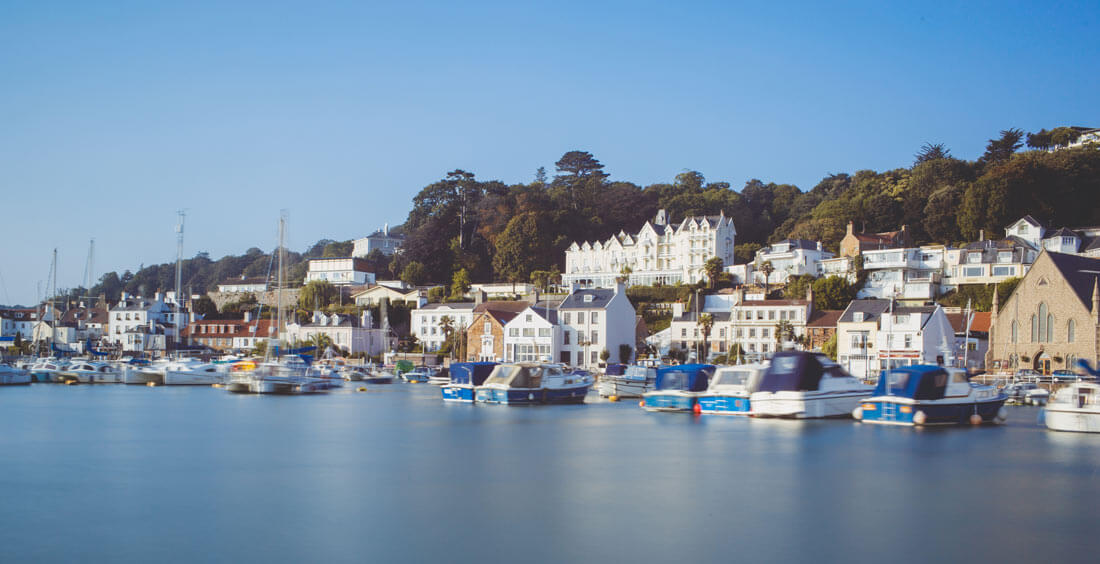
980, 324
503, 306
824, 318
1063, 232
872, 310
600, 297
1028, 219
1081, 274
502, 317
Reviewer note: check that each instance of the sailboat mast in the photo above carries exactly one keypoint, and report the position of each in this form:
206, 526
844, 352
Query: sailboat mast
53, 301
279, 292
179, 276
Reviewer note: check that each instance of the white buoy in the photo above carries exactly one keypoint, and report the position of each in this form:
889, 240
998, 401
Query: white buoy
919, 418
1001, 415
857, 414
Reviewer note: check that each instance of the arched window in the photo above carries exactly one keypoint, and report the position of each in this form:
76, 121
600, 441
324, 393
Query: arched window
1034, 330
1015, 331
1071, 328
1043, 322
1050, 328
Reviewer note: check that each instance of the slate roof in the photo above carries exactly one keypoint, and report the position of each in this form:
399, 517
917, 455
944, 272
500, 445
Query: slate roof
824, 318
600, 298
718, 316
1063, 232
1081, 274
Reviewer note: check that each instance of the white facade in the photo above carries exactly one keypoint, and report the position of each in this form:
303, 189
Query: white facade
987, 262
532, 336
380, 240
140, 325
872, 337
424, 323
594, 320
503, 289
750, 323
659, 252
790, 257
243, 284
354, 335
339, 271
912, 274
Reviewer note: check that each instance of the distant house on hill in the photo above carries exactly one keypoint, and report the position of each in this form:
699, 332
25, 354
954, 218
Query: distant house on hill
243, 284
381, 241
855, 243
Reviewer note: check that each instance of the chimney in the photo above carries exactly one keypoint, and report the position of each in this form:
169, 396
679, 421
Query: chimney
981, 235
247, 316
851, 227
479, 297
620, 287
124, 296
365, 320
677, 310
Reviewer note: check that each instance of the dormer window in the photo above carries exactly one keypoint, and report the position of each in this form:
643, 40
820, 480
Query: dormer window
1023, 229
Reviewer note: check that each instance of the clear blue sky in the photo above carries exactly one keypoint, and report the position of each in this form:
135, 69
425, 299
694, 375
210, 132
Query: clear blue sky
113, 115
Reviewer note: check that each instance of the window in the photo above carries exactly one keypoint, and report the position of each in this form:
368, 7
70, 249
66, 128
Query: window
765, 332
544, 332
771, 315
1044, 323
684, 332
752, 332
513, 332
1034, 330
580, 317
972, 271
528, 331
595, 317
527, 318
760, 314
783, 315
580, 337
1015, 331
565, 318
487, 328
565, 337
1004, 271
722, 333
595, 357
764, 347
1071, 329
908, 341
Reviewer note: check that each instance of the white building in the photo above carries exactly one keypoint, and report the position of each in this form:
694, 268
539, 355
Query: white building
746, 320
533, 335
140, 325
912, 274
380, 240
872, 337
592, 321
346, 332
18, 321
790, 257
340, 271
503, 289
425, 322
243, 284
658, 252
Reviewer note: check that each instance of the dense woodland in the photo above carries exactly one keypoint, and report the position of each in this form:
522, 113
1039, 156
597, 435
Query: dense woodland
485, 230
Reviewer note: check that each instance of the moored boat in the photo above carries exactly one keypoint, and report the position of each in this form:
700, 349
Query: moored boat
417, 376
12, 376
1025, 393
465, 377
88, 372
1075, 407
195, 374
378, 376
530, 384
45, 369
678, 388
627, 381
806, 385
730, 389
930, 395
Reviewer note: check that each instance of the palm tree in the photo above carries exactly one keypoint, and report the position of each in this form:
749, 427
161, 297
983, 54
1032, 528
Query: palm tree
447, 327
319, 340
624, 274
706, 322
767, 269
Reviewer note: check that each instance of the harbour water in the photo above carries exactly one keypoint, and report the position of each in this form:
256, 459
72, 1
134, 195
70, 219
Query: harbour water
124, 473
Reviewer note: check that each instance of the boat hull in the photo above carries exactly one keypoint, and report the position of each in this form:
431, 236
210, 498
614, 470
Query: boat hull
15, 378
623, 388
725, 404
670, 401
1078, 421
458, 393
143, 377
806, 405
904, 411
532, 396
378, 379
188, 378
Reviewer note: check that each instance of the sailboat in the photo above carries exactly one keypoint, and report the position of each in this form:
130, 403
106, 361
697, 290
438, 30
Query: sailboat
289, 374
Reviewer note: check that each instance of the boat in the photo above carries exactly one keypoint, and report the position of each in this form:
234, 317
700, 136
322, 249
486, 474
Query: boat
1025, 393
1075, 407
924, 395
290, 375
45, 369
627, 381
677, 388
439, 377
464, 378
806, 385
730, 389
418, 375
89, 372
12, 376
530, 384
195, 373
354, 373
378, 376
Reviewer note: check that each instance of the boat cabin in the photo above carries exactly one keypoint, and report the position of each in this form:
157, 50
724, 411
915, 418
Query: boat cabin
799, 371
471, 373
923, 382
685, 377
739, 378
531, 376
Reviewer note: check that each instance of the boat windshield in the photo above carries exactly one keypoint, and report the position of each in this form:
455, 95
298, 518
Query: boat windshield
674, 380
738, 378
516, 376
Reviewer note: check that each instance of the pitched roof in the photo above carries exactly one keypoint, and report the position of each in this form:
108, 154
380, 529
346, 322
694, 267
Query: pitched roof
824, 318
980, 324
599, 299
1081, 274
469, 306
872, 310
503, 306
1028, 219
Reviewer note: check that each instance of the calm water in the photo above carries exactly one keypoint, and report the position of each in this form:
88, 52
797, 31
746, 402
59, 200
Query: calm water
122, 473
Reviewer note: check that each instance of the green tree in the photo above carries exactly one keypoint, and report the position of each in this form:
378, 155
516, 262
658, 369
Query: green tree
625, 353
834, 292
437, 294
767, 269
447, 327
205, 307
460, 283
517, 248
1002, 148
317, 295
706, 323
829, 347
784, 332
931, 152
797, 285
604, 355
414, 274
713, 269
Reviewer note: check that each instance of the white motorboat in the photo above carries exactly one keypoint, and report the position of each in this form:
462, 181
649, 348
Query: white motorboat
45, 369
1075, 407
730, 389
627, 381
88, 372
195, 373
11, 376
805, 385
1026, 393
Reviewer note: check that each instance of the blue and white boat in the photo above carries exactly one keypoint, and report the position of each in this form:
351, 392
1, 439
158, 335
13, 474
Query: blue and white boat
930, 395
12, 376
418, 376
807, 385
465, 377
678, 387
531, 384
730, 389
627, 381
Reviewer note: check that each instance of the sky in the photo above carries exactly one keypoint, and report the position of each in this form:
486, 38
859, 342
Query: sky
115, 115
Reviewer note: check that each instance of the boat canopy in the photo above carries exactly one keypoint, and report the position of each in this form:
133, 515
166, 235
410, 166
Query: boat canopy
473, 373
920, 381
516, 376
615, 369
640, 373
792, 371
686, 377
